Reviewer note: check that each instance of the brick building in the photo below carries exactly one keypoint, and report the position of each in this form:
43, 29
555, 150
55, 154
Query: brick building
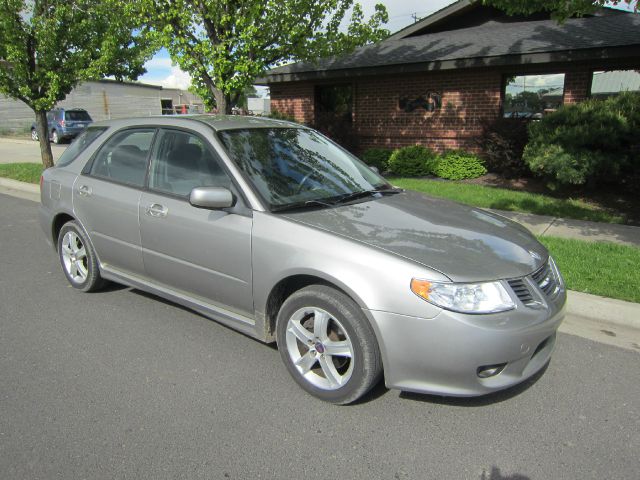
439, 81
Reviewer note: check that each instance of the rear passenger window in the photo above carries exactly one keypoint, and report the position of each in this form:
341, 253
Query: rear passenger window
182, 161
123, 158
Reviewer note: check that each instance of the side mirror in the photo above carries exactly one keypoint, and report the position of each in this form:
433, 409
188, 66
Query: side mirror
375, 169
211, 197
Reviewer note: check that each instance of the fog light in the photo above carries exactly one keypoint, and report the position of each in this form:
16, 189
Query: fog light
490, 370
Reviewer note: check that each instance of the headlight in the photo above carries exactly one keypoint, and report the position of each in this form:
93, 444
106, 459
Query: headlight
490, 297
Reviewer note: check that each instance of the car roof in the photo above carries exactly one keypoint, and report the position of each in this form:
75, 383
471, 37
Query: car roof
217, 122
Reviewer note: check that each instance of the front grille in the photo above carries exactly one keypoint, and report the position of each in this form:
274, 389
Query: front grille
545, 278
521, 290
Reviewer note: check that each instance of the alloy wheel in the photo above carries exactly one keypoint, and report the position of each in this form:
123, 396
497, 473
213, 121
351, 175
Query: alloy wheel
320, 348
74, 257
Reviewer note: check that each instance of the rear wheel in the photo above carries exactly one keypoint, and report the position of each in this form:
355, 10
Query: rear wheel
78, 258
327, 345
55, 138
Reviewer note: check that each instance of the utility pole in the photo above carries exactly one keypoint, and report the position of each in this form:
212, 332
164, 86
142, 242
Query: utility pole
415, 17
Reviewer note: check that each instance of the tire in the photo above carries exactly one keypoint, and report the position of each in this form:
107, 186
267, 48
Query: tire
315, 321
34, 135
78, 258
55, 138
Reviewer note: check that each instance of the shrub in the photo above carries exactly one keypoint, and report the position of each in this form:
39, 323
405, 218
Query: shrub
415, 161
377, 157
593, 142
457, 164
503, 143
282, 116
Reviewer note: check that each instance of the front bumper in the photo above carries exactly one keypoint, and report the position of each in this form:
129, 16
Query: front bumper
442, 355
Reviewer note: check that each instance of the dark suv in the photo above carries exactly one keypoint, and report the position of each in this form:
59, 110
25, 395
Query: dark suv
64, 124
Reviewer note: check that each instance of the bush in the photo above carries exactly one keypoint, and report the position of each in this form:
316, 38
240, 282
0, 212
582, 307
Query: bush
503, 143
593, 142
282, 116
377, 157
415, 161
456, 165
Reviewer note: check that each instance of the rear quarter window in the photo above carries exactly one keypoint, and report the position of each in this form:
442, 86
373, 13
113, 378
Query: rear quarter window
79, 145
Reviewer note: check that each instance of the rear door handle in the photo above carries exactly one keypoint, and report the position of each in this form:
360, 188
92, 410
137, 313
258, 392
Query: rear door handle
84, 191
157, 210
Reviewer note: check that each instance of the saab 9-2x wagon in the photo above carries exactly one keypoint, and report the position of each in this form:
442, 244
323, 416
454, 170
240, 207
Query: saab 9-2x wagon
272, 229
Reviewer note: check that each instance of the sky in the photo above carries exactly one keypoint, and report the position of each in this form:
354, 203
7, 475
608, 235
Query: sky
161, 71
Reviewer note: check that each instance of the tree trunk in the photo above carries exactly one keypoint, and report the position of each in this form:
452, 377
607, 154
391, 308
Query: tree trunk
223, 102
43, 138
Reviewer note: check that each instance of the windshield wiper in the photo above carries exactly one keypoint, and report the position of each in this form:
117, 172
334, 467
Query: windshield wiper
299, 205
367, 193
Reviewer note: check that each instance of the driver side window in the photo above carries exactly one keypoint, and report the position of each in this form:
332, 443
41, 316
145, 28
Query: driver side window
182, 161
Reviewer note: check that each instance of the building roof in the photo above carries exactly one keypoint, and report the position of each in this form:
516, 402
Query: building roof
491, 44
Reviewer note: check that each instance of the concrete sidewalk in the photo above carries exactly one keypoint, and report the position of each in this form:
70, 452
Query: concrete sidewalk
577, 229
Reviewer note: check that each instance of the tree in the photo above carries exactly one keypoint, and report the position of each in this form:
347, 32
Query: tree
225, 44
560, 10
48, 46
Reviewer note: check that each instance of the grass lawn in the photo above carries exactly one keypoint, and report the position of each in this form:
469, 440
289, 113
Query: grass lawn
23, 172
503, 199
599, 268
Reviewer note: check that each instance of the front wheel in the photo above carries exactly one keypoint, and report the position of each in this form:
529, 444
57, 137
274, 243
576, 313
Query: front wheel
78, 258
34, 135
327, 345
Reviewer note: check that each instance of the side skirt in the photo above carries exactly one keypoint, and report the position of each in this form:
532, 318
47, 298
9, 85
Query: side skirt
222, 315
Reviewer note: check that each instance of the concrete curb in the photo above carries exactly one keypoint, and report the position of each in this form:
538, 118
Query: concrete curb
609, 310
27, 191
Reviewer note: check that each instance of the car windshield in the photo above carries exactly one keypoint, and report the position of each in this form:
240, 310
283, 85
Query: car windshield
77, 115
297, 166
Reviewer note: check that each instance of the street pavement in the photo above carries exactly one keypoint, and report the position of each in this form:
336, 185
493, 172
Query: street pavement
122, 385
13, 150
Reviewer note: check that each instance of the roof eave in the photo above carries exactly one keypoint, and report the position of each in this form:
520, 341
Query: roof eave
606, 53
430, 20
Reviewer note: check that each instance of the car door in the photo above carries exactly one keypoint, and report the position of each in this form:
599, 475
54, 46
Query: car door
106, 197
204, 253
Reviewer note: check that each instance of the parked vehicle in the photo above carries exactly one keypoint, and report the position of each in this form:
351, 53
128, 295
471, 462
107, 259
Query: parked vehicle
270, 228
64, 124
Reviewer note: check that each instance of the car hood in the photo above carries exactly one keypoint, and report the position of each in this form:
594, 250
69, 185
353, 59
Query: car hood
464, 243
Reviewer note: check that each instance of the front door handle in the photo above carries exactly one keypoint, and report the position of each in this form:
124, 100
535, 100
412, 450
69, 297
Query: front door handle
157, 210
84, 191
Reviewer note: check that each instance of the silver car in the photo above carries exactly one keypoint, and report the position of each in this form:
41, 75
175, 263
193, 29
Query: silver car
270, 228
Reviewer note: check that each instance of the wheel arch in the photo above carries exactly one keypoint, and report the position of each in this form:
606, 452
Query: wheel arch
58, 221
293, 282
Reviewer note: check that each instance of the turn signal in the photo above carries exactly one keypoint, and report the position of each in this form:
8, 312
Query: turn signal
422, 288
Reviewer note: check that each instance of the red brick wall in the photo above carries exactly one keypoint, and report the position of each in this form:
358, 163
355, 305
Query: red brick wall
470, 100
294, 99
577, 84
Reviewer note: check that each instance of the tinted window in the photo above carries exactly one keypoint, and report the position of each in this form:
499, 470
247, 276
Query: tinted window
79, 144
293, 165
123, 157
77, 115
182, 161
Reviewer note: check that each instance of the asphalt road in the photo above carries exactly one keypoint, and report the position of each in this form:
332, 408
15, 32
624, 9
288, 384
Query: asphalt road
18, 151
122, 385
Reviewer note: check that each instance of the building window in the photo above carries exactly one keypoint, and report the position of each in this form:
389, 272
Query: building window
531, 96
333, 112
612, 82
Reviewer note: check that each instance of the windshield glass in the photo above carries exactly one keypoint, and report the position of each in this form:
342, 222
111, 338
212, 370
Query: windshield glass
290, 166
